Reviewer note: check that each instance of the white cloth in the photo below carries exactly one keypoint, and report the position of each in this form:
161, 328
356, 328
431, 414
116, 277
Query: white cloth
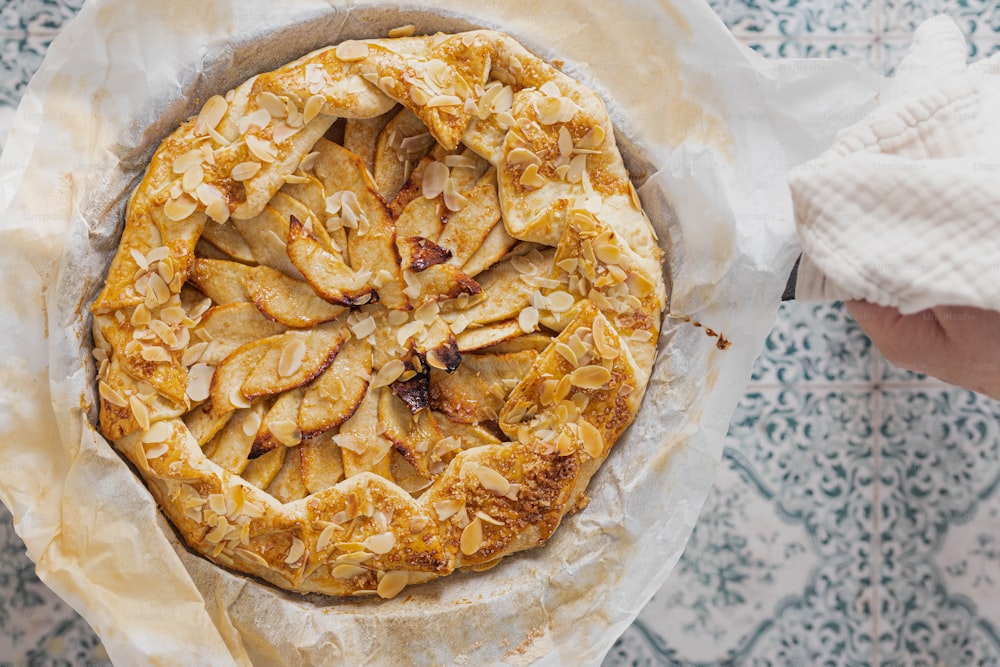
904, 209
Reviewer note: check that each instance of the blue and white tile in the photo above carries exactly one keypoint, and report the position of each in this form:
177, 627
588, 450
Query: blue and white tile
939, 471
779, 566
798, 18
814, 342
861, 51
974, 17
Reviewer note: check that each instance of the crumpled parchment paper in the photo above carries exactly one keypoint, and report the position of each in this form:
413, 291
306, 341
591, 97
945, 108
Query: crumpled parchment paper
708, 129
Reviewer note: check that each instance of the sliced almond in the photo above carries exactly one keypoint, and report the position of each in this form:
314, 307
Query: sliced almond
180, 208
244, 171
291, 358
593, 441
199, 381
381, 543
392, 584
351, 51
295, 552
590, 377
435, 179
211, 113
347, 571
472, 537
262, 149
493, 481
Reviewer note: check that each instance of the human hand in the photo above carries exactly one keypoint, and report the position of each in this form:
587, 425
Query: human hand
957, 344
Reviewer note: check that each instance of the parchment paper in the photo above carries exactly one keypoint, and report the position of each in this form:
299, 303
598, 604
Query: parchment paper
708, 129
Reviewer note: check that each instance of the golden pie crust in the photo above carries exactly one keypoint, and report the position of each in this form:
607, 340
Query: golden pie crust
351, 355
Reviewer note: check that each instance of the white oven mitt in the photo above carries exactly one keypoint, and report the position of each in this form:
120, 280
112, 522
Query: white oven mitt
904, 209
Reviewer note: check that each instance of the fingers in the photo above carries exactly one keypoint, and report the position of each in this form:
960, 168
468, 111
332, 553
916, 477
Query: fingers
906, 341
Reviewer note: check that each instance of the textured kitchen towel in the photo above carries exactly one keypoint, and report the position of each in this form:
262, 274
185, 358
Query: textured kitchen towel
904, 209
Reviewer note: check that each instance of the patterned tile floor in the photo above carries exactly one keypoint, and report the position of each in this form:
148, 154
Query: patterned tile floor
856, 517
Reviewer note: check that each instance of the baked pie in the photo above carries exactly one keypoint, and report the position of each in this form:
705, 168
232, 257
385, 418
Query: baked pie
379, 314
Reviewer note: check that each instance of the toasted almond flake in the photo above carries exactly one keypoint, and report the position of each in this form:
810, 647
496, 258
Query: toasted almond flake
444, 101
428, 312
364, 328
392, 584
608, 253
217, 503
453, 200
565, 142
527, 319
256, 120
634, 194
397, 317
472, 537
434, 180
522, 156
211, 113
155, 354
324, 539
488, 519
576, 168
291, 358
219, 532
251, 424
409, 330
491, 480
459, 162
567, 353
593, 138
355, 557
199, 381
262, 149
296, 551
156, 451
218, 211
158, 432
560, 302
140, 316
180, 208
286, 431
446, 509
188, 162
388, 374
403, 30
237, 399
419, 96
549, 110
250, 555
590, 377
244, 171
351, 51
312, 108
139, 411
602, 341
381, 544
347, 571
530, 178
503, 103
351, 443
271, 103
593, 441
283, 131
642, 336
418, 522
434, 360
309, 161
551, 89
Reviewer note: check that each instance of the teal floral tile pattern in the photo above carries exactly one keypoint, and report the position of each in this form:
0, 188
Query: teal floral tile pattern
814, 340
976, 18
856, 515
806, 18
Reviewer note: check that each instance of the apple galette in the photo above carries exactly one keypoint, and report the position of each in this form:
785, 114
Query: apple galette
379, 314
